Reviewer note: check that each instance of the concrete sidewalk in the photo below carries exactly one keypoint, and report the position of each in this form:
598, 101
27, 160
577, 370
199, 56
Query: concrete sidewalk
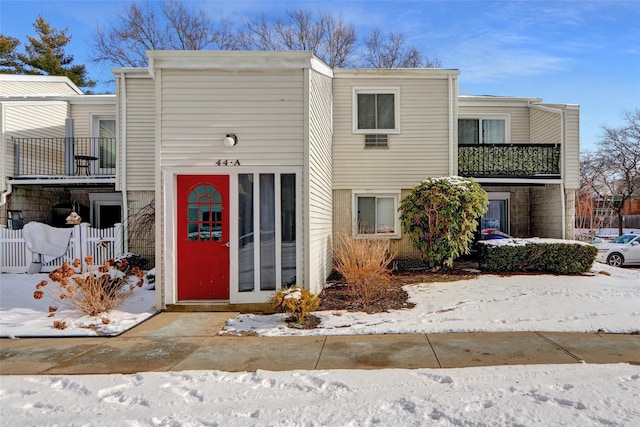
189, 341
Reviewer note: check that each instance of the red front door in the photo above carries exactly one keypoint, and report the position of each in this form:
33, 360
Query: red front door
203, 236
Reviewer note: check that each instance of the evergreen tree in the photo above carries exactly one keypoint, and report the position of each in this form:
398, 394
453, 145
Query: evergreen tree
9, 62
45, 55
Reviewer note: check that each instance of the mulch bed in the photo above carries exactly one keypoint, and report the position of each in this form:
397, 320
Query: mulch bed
336, 295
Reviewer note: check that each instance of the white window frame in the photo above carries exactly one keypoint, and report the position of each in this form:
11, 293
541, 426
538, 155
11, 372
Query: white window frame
396, 195
395, 91
95, 147
103, 199
170, 208
489, 116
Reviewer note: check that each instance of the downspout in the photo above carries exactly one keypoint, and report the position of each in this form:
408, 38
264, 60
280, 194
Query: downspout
3, 196
563, 202
123, 161
451, 152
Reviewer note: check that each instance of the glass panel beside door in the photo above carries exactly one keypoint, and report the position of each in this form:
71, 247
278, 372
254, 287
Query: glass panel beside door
267, 242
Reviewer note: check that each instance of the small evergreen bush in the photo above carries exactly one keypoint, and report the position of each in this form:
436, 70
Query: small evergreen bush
537, 256
295, 302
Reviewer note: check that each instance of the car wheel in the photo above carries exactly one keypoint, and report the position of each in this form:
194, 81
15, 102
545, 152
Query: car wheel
615, 259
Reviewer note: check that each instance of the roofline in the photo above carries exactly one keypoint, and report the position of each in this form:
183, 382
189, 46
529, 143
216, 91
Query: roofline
488, 100
395, 72
236, 60
73, 99
35, 78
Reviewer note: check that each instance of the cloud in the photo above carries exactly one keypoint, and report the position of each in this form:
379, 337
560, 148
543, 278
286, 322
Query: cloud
486, 57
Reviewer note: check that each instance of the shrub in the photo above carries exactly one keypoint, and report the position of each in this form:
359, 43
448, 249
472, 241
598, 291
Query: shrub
440, 216
522, 255
364, 265
93, 291
126, 262
295, 302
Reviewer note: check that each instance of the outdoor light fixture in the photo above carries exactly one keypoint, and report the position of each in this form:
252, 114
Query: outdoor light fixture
230, 140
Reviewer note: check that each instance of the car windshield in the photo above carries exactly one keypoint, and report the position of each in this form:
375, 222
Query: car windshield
625, 238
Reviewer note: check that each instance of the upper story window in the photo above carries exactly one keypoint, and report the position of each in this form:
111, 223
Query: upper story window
376, 110
483, 130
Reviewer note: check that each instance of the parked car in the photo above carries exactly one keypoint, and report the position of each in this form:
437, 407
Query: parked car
594, 240
623, 250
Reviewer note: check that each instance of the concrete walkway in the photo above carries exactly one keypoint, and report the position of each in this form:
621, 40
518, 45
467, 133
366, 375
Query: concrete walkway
189, 341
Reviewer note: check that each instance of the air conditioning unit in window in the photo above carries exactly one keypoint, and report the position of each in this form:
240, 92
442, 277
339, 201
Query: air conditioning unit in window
376, 140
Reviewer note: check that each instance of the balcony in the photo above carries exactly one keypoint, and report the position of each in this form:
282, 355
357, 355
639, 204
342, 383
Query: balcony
64, 157
531, 161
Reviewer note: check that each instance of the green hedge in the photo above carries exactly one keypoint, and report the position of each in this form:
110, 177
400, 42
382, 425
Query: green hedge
559, 258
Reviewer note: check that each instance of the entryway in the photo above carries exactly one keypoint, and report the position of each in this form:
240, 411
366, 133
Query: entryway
203, 237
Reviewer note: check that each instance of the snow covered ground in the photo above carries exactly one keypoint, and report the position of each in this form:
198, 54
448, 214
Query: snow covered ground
23, 316
542, 395
608, 301
575, 395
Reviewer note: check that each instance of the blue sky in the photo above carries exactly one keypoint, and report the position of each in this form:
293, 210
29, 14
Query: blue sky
577, 52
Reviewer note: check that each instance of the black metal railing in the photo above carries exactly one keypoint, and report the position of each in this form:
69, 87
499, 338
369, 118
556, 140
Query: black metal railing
64, 156
509, 160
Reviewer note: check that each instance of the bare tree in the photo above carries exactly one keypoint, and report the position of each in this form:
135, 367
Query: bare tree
613, 171
340, 38
140, 28
392, 52
176, 26
326, 35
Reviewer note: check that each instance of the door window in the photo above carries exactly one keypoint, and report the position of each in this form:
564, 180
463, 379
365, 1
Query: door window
204, 220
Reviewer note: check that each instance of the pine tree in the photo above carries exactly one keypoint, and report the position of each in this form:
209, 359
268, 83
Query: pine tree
45, 55
9, 62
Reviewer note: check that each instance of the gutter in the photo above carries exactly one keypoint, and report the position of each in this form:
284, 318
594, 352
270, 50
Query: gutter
563, 202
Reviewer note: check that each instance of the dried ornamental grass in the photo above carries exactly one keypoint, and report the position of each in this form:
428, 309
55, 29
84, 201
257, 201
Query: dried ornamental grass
92, 291
364, 265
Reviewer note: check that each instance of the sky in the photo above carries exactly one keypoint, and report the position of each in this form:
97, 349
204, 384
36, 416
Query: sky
568, 52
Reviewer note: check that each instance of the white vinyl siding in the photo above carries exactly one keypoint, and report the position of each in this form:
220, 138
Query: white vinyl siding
546, 127
35, 120
81, 115
264, 109
421, 149
572, 149
320, 261
30, 120
24, 86
141, 137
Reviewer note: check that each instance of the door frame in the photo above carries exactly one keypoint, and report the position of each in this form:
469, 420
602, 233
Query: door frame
95, 145
166, 233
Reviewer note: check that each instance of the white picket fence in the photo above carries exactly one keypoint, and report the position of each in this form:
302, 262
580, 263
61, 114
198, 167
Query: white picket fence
102, 244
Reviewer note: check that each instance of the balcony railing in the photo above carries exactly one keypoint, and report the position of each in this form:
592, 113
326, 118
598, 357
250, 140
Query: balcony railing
509, 160
64, 156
